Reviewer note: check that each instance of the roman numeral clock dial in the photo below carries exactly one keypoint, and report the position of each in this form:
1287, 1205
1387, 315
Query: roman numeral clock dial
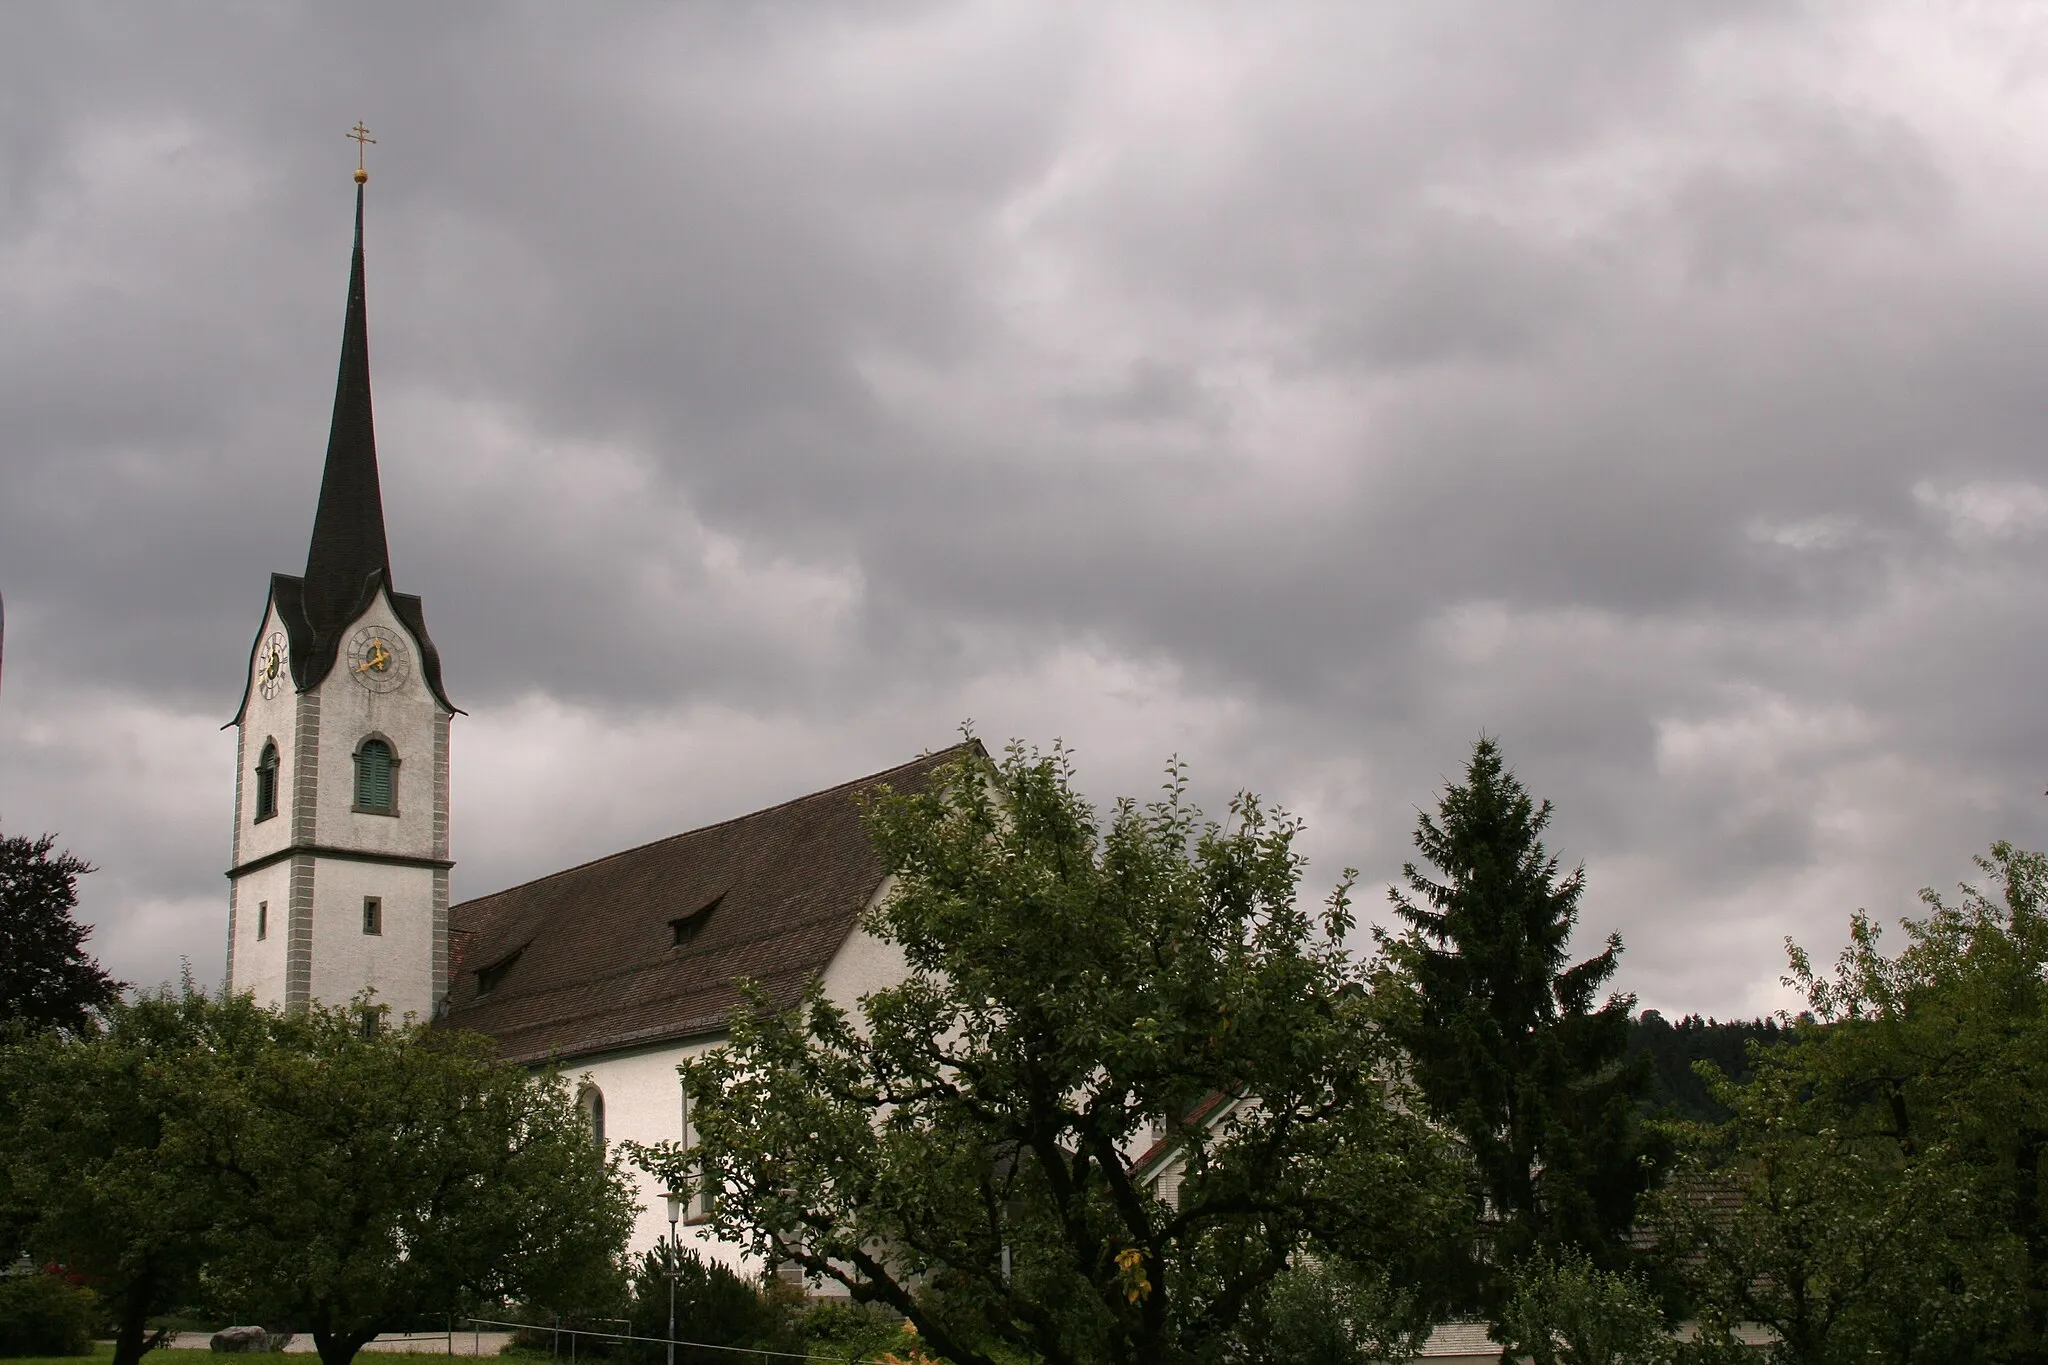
377, 659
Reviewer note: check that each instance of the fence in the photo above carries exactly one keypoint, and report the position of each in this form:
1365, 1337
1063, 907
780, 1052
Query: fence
558, 1331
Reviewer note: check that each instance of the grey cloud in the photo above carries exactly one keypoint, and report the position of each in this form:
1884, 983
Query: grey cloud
1356, 380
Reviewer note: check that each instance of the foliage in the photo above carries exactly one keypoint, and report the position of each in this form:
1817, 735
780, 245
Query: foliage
115, 1146
1565, 1310
47, 979
837, 1329
399, 1172
294, 1167
1328, 1312
966, 1150
1882, 1180
45, 1315
1677, 1089
714, 1306
1509, 1048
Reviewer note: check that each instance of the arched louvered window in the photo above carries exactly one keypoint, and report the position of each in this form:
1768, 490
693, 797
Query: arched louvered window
266, 781
376, 778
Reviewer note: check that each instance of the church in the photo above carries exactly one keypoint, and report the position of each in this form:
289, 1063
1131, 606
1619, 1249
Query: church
614, 970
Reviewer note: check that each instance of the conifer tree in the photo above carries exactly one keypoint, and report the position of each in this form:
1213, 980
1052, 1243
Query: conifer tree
47, 979
1511, 1047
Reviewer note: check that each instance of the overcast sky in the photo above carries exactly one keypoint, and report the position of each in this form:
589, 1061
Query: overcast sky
1304, 390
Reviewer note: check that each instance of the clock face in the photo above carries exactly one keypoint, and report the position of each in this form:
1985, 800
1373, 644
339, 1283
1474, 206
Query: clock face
272, 665
377, 659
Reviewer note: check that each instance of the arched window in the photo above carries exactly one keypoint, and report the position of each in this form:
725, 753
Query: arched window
376, 778
266, 781
591, 1101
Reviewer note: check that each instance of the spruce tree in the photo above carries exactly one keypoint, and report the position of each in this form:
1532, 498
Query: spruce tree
1511, 1047
47, 978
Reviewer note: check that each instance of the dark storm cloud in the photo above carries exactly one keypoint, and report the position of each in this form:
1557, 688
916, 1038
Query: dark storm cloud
761, 389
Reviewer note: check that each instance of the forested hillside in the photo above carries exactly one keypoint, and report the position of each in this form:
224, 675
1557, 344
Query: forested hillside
1673, 1049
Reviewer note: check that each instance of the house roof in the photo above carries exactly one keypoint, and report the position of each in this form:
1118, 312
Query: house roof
592, 960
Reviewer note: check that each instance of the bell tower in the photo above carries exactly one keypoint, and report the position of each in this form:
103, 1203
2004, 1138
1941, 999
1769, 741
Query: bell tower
339, 882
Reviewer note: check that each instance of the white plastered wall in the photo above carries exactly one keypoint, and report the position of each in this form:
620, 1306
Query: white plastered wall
643, 1102
258, 966
399, 963
864, 963
351, 713
259, 962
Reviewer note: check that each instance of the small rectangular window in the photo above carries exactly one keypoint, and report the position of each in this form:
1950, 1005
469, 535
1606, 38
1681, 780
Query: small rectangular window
376, 778
266, 784
262, 920
703, 1198
373, 915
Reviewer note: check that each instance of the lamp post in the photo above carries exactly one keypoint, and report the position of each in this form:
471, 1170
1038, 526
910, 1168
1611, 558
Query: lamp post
675, 1215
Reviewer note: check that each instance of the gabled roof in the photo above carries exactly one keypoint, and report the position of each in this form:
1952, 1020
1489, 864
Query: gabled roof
597, 964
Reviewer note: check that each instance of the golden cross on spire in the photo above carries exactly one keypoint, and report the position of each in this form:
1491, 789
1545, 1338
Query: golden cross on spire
361, 136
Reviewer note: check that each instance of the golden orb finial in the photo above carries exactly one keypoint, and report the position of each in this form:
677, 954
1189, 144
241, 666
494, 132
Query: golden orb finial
360, 135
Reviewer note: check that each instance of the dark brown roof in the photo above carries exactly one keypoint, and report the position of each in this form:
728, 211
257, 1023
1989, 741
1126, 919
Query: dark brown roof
593, 960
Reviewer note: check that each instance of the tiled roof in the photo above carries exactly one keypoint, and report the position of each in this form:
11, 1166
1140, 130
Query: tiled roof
594, 963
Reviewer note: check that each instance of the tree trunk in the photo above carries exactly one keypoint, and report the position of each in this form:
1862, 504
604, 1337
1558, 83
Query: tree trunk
2030, 1221
339, 1348
131, 1330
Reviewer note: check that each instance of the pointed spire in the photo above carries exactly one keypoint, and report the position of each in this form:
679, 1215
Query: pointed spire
348, 530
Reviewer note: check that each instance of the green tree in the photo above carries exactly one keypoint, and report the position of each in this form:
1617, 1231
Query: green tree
47, 979
298, 1167
966, 1149
396, 1174
1878, 1194
1564, 1310
116, 1148
1511, 1047
1329, 1312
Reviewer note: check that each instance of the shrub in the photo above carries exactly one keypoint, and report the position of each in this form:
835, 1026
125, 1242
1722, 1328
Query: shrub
841, 1330
714, 1305
42, 1315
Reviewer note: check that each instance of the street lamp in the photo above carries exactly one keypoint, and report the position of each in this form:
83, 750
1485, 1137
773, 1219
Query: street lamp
675, 1215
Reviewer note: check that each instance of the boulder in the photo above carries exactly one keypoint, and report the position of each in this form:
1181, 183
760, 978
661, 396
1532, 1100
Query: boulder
249, 1339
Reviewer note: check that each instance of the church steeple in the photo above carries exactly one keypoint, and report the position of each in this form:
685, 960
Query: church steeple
348, 563
348, 530
339, 882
